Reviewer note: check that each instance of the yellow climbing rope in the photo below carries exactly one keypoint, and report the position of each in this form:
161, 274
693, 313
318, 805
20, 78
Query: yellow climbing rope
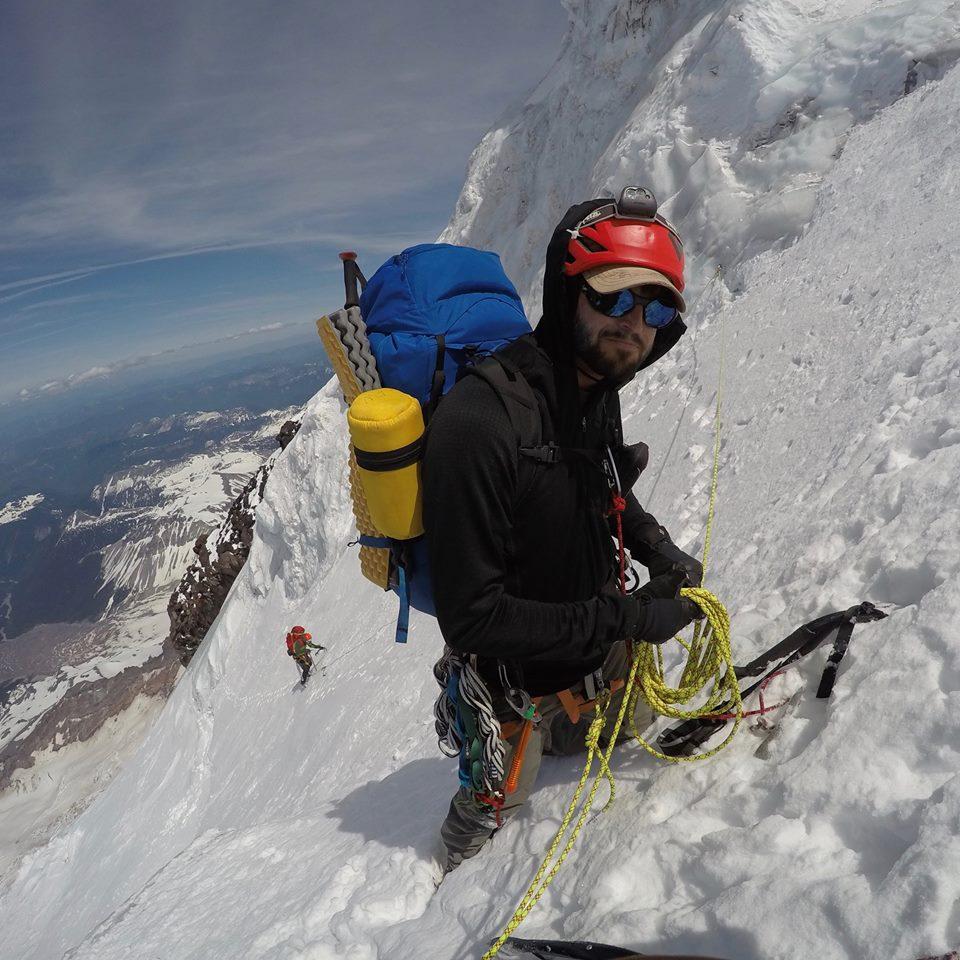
709, 661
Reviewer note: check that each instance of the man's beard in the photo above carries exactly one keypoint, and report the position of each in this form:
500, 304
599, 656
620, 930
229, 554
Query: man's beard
612, 361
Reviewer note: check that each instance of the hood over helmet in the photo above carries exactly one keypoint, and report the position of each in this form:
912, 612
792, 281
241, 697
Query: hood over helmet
554, 332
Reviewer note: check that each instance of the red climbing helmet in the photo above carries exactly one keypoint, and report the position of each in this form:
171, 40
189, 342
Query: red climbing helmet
626, 243
297, 630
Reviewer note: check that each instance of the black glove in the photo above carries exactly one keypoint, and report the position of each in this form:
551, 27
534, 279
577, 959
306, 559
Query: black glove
669, 558
656, 615
631, 461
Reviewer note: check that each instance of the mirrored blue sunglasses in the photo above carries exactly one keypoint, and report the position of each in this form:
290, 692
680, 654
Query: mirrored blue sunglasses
656, 313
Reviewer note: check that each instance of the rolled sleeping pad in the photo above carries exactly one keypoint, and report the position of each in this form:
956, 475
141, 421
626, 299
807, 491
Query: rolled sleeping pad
386, 428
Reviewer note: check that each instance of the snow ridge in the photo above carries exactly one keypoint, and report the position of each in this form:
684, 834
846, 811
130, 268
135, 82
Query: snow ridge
201, 591
732, 111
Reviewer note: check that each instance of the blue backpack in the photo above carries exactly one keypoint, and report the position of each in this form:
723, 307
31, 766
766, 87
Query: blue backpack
433, 313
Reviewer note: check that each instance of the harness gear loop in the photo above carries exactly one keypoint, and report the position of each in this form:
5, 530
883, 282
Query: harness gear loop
516, 696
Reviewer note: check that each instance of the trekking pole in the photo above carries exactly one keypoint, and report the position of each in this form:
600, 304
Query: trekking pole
354, 282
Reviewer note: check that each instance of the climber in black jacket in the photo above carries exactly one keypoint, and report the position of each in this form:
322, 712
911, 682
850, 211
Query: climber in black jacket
522, 557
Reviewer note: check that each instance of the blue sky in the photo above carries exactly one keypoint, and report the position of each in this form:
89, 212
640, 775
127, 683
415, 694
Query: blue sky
177, 173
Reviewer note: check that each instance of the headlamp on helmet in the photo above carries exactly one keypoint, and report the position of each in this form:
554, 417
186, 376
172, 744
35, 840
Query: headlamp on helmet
631, 235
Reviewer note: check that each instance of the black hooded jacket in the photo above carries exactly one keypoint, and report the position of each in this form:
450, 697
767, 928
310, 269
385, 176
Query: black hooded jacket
521, 556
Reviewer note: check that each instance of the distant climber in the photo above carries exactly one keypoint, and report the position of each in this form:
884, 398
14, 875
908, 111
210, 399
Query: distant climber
527, 580
299, 645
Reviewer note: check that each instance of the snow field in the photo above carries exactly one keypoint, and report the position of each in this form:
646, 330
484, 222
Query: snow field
15, 509
128, 645
64, 781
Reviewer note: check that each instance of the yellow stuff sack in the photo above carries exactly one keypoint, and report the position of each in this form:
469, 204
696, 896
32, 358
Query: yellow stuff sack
386, 428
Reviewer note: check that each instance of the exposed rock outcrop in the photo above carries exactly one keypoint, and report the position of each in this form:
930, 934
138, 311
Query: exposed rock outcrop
220, 556
85, 707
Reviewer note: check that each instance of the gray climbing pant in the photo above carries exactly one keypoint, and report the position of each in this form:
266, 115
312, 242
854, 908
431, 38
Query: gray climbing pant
470, 824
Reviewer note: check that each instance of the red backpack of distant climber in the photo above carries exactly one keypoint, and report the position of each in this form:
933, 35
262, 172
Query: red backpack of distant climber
296, 635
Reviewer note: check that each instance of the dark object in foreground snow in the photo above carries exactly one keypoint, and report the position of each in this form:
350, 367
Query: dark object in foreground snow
515, 949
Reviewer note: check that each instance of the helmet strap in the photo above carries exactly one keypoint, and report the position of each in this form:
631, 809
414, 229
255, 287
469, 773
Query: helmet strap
588, 373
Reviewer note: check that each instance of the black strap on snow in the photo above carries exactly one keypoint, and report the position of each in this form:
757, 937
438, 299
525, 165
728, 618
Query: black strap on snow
561, 950
687, 737
833, 661
804, 640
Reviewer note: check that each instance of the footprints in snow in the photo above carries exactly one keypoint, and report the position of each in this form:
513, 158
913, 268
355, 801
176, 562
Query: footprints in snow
933, 437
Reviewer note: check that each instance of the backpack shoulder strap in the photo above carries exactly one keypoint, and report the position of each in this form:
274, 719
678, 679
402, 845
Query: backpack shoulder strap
520, 402
516, 395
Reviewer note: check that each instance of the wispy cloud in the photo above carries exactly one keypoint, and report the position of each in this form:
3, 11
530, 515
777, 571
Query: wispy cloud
103, 371
30, 286
36, 332
373, 243
201, 134
268, 127
60, 302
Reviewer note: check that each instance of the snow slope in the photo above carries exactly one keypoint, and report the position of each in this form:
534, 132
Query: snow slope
64, 780
264, 820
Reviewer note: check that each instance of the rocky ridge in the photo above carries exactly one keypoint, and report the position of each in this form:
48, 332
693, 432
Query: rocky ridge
197, 600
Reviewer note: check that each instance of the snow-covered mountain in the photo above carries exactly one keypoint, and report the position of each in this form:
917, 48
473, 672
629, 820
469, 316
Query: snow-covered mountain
13, 511
62, 684
811, 150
